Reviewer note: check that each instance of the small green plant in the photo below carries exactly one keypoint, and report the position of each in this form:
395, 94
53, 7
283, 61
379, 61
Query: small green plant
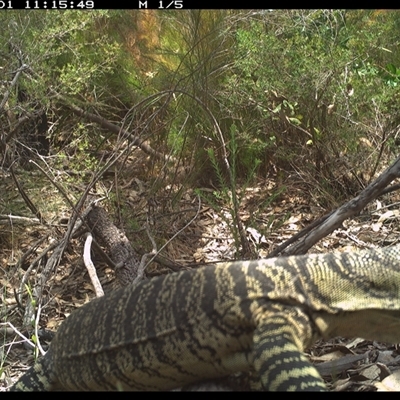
391, 75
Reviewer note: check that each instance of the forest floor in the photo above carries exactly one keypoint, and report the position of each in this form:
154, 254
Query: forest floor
206, 235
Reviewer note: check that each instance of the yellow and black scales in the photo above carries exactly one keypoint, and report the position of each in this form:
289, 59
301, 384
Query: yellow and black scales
207, 323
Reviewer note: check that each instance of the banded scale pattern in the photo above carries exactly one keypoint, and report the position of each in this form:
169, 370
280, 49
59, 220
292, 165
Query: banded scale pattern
191, 326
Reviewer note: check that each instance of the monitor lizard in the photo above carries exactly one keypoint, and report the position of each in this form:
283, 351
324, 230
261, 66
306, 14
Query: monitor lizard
257, 316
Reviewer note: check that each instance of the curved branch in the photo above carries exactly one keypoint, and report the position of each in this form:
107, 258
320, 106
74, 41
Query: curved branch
135, 140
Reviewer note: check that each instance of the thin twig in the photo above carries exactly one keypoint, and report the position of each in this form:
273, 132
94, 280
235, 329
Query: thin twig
38, 345
177, 233
143, 265
12, 84
90, 267
18, 333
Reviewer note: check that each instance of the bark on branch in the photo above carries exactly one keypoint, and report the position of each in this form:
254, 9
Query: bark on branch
335, 219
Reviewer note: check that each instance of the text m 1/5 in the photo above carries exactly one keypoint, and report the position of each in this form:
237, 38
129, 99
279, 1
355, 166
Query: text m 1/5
175, 4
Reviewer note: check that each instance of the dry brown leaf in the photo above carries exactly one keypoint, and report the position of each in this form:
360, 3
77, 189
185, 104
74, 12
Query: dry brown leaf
390, 383
354, 343
385, 357
372, 372
330, 356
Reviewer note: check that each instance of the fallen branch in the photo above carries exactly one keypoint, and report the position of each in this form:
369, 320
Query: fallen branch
135, 140
351, 208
